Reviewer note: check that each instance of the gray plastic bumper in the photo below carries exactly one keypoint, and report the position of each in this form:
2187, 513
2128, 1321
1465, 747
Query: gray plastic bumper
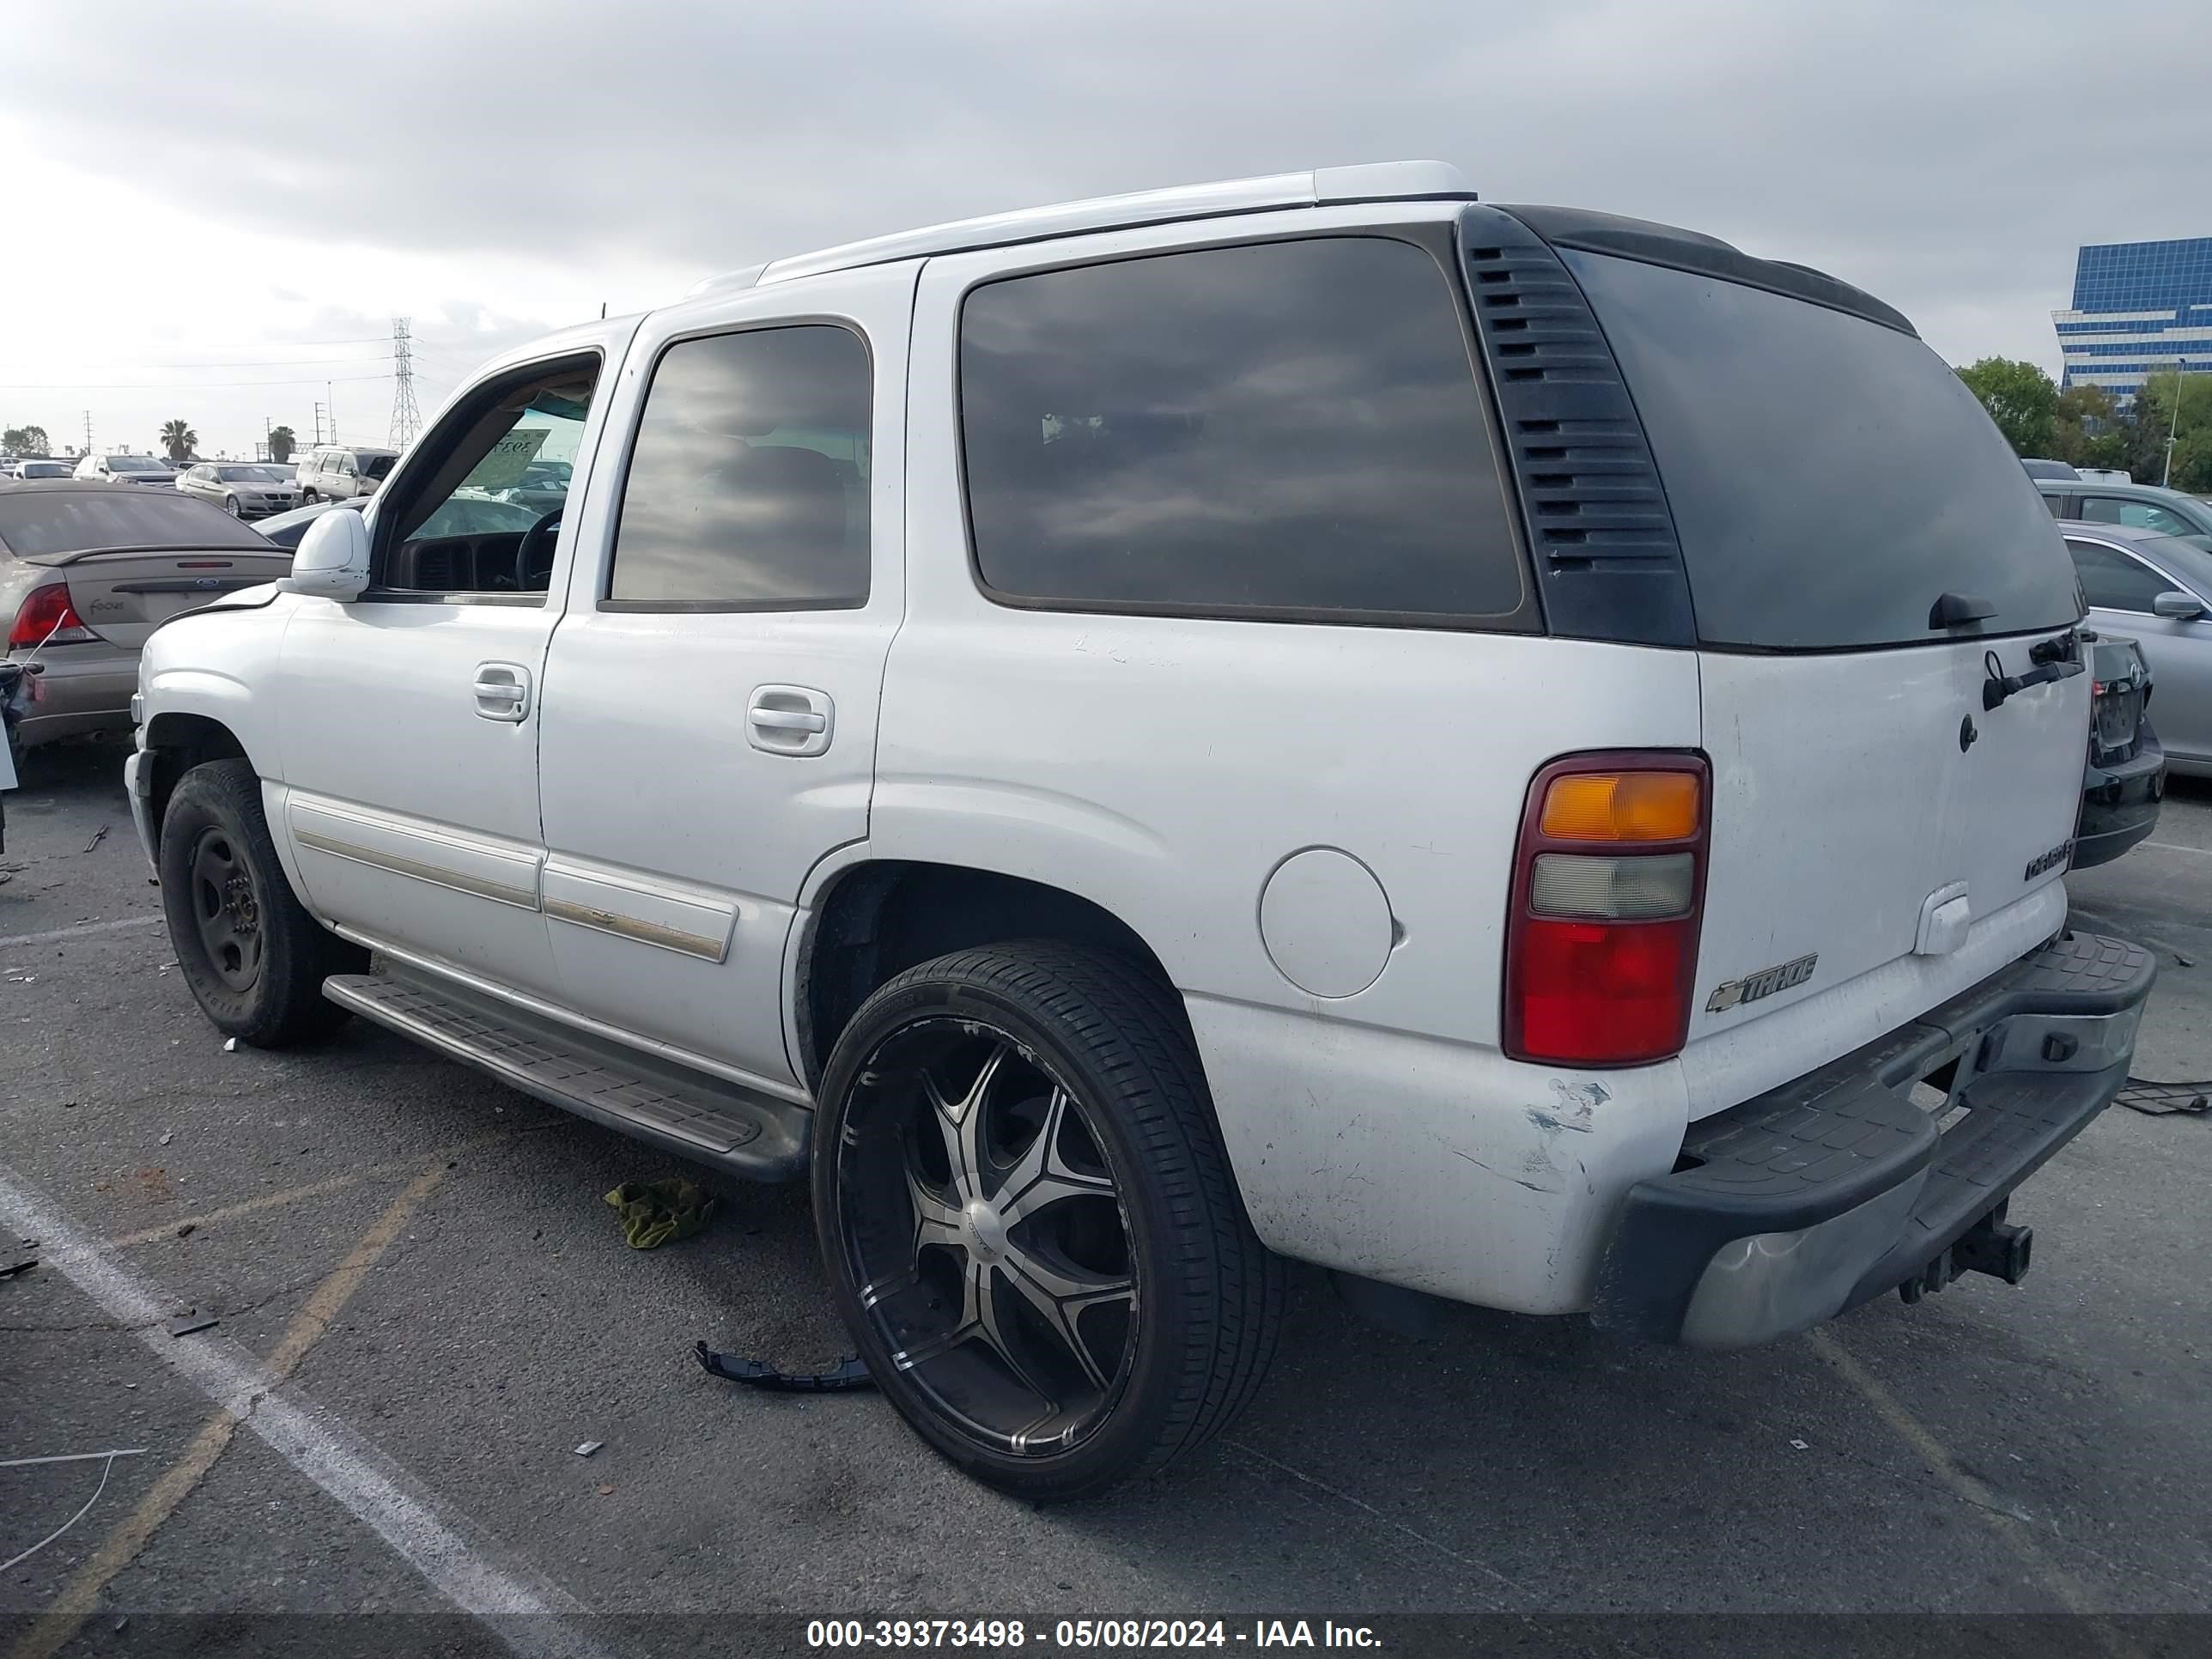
1830, 1190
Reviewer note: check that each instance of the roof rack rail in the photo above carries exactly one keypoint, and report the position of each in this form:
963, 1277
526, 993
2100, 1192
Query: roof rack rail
1380, 181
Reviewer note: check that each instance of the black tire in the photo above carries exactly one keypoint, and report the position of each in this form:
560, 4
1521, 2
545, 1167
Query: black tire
1113, 1084
254, 958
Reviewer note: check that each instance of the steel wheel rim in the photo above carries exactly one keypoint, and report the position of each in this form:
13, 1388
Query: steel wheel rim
983, 1224
226, 909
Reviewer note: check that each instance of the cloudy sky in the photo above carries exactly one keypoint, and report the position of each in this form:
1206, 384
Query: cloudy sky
215, 211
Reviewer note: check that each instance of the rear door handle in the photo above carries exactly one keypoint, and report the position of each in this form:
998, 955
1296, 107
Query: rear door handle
790, 720
502, 692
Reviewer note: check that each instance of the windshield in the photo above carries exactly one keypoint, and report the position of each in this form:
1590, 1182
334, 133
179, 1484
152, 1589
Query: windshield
1830, 478
32, 522
248, 475
134, 464
43, 470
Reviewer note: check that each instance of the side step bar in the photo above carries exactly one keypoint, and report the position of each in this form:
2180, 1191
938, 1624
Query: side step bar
703, 1117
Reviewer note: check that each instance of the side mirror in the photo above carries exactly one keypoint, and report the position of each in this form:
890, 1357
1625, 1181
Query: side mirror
333, 560
2178, 606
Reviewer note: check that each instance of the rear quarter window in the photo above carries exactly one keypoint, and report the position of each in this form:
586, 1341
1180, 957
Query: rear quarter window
1829, 476
1283, 429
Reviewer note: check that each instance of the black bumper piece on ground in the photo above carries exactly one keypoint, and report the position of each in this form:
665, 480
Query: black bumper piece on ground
1832, 1189
2119, 802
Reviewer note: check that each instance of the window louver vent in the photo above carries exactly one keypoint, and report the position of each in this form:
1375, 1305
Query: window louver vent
1608, 560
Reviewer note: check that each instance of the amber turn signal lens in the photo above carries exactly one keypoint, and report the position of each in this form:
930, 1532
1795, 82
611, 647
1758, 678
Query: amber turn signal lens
1621, 806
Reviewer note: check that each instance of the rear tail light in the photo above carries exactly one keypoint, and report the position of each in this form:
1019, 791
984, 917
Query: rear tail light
46, 617
1608, 880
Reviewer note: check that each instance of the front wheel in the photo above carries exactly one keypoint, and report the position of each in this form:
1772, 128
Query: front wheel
253, 956
230, 505
1029, 1221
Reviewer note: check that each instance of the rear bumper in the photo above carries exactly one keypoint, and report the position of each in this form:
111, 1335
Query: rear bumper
2119, 803
83, 691
1828, 1191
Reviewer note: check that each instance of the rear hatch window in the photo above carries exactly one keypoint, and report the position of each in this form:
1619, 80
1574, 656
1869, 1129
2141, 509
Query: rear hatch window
1829, 477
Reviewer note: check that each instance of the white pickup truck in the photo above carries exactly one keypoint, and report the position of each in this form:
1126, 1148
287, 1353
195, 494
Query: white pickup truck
1511, 753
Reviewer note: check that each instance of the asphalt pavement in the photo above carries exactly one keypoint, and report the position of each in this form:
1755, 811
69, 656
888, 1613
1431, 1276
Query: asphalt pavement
424, 1306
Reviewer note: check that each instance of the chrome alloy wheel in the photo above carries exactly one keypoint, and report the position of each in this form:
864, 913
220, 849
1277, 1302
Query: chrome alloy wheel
983, 1224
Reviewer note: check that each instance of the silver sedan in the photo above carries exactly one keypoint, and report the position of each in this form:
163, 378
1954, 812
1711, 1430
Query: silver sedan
243, 490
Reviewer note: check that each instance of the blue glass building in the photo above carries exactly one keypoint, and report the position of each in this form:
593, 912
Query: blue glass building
2138, 306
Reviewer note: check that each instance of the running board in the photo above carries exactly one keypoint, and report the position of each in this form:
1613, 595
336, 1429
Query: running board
748, 1135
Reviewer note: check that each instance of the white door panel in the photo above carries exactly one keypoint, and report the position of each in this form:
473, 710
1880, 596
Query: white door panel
409, 730
414, 819
697, 762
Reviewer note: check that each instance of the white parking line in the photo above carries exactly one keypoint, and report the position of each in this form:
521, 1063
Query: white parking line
527, 1616
115, 926
2176, 847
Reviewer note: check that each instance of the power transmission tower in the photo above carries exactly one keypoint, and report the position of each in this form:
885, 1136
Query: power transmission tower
88, 432
406, 419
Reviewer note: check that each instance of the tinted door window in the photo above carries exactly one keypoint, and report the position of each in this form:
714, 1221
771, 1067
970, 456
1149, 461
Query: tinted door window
1290, 428
2139, 515
748, 482
1830, 478
2113, 581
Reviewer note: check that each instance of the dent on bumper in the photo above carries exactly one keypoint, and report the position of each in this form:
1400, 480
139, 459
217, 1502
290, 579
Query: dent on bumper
1836, 1188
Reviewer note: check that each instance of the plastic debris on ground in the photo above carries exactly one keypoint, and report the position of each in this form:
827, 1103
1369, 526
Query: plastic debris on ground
2162, 1099
846, 1374
589, 1447
657, 1212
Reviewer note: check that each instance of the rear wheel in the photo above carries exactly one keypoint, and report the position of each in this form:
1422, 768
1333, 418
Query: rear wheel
1028, 1221
254, 958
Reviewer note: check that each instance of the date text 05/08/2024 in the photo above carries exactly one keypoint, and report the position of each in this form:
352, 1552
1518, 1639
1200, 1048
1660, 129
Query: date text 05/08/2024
1076, 1633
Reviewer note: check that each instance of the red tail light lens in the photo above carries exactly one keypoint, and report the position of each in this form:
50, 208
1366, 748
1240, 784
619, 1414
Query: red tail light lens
47, 616
1602, 940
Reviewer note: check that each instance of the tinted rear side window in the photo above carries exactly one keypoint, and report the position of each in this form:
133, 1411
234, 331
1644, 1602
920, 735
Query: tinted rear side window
1287, 429
1829, 477
748, 482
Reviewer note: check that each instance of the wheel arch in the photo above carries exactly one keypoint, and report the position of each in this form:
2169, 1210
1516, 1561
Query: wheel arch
178, 740
875, 917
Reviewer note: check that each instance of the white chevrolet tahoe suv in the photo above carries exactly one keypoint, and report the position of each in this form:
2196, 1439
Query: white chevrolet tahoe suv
1513, 754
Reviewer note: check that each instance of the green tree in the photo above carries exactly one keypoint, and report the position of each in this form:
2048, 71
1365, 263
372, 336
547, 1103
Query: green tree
2020, 399
2192, 433
177, 440
281, 443
2091, 431
26, 441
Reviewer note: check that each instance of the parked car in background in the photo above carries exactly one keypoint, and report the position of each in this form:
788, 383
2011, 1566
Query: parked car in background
245, 490
1089, 700
125, 469
2126, 776
2131, 505
28, 470
285, 529
2038, 469
343, 471
2104, 475
87, 571
466, 514
2157, 589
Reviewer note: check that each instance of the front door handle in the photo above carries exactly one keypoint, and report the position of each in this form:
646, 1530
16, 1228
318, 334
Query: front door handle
502, 692
790, 720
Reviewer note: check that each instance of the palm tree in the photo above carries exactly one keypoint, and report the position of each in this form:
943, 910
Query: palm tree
177, 440
282, 442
